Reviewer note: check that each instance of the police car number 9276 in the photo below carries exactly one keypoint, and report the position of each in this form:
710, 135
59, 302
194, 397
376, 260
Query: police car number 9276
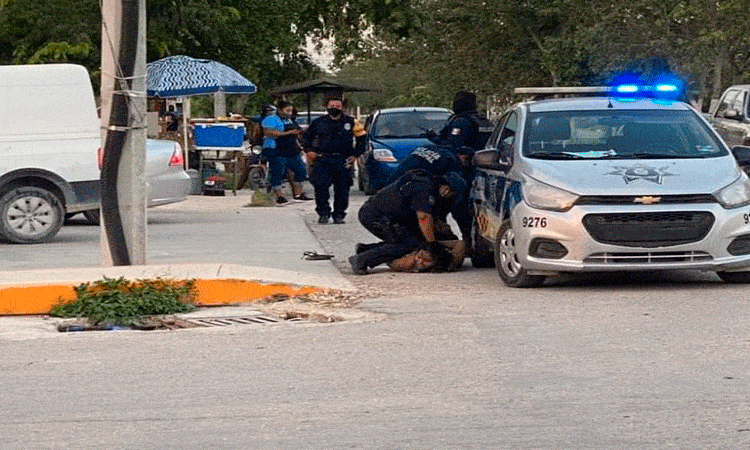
632, 181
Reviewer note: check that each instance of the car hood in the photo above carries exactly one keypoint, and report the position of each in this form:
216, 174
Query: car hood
636, 177
400, 147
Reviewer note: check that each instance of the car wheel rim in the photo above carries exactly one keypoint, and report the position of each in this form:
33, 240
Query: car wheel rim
30, 216
508, 255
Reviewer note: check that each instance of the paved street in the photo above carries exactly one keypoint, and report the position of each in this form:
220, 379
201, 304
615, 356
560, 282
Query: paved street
618, 361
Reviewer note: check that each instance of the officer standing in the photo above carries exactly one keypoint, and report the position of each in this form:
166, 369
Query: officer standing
332, 144
402, 215
467, 130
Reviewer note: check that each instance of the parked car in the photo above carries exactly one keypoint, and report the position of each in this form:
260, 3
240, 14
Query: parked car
168, 182
392, 135
49, 141
731, 116
302, 118
609, 183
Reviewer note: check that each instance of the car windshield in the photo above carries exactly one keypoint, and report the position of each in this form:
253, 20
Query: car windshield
632, 134
408, 124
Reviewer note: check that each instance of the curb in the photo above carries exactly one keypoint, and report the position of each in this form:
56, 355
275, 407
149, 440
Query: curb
23, 293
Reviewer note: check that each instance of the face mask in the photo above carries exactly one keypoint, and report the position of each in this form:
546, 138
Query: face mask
334, 112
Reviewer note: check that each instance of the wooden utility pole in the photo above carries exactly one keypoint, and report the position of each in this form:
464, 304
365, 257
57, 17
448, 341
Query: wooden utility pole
124, 186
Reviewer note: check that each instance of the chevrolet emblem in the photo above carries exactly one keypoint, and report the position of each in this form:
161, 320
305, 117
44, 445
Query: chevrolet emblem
647, 200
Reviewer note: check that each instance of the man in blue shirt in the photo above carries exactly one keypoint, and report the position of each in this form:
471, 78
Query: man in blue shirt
283, 152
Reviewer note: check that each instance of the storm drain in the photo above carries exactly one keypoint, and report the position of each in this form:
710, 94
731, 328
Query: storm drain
230, 321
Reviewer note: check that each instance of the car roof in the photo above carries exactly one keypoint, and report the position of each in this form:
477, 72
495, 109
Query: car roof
412, 108
604, 103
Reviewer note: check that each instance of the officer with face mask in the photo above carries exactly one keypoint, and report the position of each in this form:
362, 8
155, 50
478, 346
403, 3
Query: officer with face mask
332, 143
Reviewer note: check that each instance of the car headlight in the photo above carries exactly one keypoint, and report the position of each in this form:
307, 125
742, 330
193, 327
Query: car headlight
543, 196
383, 155
736, 194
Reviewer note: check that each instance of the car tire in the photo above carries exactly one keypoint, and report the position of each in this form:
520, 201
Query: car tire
30, 215
482, 256
734, 277
506, 260
92, 216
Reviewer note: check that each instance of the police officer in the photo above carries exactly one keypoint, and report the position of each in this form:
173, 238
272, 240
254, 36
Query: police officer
332, 143
402, 215
434, 159
467, 130
438, 161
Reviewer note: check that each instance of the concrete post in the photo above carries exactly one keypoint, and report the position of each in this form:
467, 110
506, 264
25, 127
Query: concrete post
220, 104
132, 185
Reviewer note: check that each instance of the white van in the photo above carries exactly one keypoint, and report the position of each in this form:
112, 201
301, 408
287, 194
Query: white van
49, 136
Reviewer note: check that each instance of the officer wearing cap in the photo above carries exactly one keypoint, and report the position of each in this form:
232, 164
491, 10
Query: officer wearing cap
402, 214
332, 143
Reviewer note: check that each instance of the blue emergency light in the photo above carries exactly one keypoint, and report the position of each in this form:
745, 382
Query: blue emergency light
665, 87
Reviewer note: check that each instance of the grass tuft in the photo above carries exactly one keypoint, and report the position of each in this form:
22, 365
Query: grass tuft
117, 301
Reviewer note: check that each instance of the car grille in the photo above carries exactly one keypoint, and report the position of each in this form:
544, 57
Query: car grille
648, 257
658, 229
632, 199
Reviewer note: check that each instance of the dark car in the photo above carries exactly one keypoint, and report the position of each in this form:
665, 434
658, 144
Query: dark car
392, 135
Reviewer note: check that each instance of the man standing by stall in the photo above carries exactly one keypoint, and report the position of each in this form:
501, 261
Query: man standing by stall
332, 144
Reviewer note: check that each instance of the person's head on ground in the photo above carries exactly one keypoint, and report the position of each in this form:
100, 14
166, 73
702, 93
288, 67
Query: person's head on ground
334, 105
285, 109
464, 101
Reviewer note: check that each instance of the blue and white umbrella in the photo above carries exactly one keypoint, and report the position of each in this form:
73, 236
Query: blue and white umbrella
183, 76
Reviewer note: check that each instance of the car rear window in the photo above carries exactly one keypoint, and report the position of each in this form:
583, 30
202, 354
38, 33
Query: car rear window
408, 124
634, 134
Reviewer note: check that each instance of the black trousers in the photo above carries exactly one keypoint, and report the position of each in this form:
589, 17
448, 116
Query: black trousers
398, 239
330, 171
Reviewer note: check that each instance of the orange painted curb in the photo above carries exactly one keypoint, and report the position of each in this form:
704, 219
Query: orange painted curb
39, 299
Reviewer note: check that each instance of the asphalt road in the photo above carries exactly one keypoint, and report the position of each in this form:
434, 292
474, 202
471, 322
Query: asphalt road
454, 361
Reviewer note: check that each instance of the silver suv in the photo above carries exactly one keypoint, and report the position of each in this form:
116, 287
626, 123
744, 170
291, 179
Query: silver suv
609, 184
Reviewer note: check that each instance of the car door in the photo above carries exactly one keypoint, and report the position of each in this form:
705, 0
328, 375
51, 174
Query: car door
722, 124
735, 129
492, 187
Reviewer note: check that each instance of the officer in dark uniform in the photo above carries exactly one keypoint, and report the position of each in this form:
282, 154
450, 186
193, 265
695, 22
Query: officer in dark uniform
402, 215
332, 143
467, 130
439, 160
434, 159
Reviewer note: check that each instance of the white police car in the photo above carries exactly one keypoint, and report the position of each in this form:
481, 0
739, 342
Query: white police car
609, 183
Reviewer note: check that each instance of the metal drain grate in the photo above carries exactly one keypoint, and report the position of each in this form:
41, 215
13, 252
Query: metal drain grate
247, 320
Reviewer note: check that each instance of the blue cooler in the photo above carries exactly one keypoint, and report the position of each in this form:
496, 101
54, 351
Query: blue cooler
225, 134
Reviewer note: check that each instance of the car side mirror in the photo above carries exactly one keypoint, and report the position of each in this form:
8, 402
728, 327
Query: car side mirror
490, 159
731, 114
741, 154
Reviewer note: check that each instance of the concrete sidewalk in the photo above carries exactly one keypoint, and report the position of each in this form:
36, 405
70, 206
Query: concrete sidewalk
204, 238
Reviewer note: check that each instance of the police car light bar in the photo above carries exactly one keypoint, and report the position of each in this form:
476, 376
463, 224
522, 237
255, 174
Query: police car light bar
571, 90
664, 90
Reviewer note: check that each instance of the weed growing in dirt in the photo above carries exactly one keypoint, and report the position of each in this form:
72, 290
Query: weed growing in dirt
117, 301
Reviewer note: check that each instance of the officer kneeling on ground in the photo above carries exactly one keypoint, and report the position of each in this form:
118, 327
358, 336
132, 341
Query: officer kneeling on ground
402, 215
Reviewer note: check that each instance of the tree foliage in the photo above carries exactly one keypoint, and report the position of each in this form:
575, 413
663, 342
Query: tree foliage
492, 46
419, 51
